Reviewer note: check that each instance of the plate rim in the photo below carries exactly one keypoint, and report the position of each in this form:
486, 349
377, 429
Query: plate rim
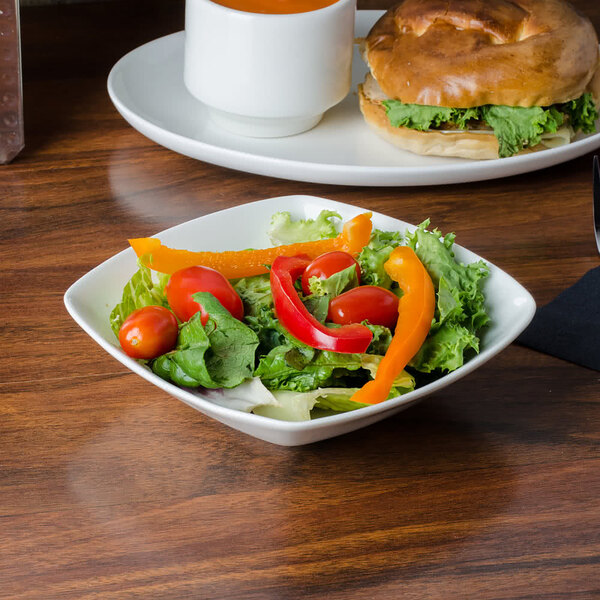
334, 173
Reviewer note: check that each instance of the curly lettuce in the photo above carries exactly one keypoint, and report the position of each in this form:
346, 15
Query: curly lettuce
582, 113
460, 307
515, 127
141, 290
297, 405
284, 230
518, 127
374, 255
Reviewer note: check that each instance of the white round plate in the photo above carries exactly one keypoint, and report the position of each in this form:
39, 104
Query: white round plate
146, 86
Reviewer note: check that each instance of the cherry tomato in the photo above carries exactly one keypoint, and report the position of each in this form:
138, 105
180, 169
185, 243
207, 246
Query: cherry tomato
375, 304
185, 282
148, 332
326, 265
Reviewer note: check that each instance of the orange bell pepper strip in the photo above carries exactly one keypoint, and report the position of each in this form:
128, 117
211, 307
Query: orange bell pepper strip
233, 264
415, 314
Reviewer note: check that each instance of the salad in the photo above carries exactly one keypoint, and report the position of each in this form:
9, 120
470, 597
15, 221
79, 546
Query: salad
325, 321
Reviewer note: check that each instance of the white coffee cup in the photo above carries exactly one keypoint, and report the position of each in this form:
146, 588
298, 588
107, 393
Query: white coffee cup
268, 75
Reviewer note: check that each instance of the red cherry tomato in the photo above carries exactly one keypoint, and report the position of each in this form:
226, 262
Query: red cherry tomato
148, 332
375, 304
185, 282
326, 265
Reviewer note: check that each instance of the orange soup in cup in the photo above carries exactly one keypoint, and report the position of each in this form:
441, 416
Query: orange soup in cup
275, 7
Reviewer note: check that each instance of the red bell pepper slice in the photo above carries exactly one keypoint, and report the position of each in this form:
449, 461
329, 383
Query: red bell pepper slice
298, 321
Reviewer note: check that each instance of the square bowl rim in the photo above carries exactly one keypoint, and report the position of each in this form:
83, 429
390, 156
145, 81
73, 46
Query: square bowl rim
214, 410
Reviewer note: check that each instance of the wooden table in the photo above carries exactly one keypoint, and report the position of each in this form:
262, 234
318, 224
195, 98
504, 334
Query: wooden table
110, 489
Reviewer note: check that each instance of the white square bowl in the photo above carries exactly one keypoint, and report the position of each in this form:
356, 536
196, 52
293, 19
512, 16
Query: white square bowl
91, 299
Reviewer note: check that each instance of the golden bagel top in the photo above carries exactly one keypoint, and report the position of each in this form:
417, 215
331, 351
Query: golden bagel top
464, 53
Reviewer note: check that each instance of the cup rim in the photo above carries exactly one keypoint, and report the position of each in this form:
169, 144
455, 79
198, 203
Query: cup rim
329, 7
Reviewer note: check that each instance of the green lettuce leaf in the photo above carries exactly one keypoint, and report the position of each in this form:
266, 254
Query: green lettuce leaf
141, 290
582, 113
259, 313
283, 230
335, 284
374, 255
445, 348
317, 306
323, 290
462, 116
304, 369
268, 329
219, 354
460, 307
255, 293
416, 116
297, 405
382, 338
186, 365
169, 370
517, 127
291, 367
423, 117
337, 399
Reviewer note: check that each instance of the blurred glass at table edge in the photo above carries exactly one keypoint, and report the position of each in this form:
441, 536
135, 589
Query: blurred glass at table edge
11, 92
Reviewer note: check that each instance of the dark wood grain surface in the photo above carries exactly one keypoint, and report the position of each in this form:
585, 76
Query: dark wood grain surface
109, 489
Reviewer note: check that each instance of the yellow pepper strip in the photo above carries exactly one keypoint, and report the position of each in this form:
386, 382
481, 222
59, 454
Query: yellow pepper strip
415, 314
233, 264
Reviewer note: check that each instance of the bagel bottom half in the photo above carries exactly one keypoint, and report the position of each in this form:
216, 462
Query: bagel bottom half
460, 144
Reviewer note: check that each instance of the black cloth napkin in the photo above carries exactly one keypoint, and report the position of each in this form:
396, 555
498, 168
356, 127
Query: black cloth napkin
569, 326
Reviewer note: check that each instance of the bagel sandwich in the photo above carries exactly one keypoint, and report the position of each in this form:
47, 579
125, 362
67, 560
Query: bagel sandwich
481, 79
